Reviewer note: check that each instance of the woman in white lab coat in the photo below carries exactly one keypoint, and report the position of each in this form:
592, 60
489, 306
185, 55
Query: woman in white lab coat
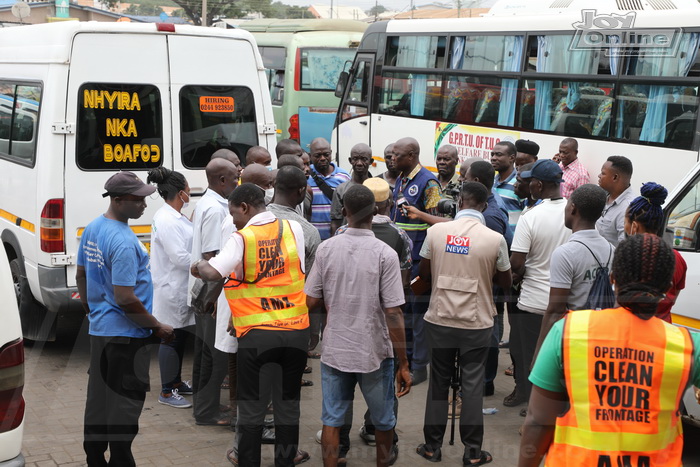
171, 244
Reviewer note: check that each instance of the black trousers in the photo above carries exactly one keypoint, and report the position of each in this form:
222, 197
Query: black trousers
446, 345
209, 370
117, 385
270, 366
525, 330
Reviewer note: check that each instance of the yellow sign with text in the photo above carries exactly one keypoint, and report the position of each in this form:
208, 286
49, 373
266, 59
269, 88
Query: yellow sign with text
471, 141
216, 104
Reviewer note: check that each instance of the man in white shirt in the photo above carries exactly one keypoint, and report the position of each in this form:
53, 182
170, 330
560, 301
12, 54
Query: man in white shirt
538, 234
210, 365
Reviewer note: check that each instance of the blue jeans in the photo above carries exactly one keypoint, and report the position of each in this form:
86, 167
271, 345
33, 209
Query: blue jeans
170, 359
377, 388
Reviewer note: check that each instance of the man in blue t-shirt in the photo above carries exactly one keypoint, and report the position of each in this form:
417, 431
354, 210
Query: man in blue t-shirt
114, 281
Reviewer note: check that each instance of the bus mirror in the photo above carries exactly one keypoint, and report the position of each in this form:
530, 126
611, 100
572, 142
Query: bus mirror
342, 81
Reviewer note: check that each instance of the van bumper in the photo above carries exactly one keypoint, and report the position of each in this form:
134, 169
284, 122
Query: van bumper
55, 294
16, 462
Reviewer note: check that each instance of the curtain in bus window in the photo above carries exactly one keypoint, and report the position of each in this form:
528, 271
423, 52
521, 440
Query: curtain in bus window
660, 96
457, 59
513, 54
417, 52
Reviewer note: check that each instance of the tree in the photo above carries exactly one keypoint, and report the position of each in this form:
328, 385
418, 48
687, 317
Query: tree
376, 10
193, 8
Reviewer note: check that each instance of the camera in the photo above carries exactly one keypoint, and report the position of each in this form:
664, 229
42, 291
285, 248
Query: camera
447, 206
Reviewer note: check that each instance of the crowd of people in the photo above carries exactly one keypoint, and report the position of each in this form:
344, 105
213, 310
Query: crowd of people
404, 277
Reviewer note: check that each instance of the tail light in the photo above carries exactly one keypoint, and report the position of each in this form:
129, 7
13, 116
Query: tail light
51, 231
294, 127
11, 385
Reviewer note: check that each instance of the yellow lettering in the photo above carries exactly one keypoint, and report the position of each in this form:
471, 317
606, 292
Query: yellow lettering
155, 153
107, 155
131, 131
88, 99
118, 153
111, 126
135, 103
124, 101
127, 153
111, 97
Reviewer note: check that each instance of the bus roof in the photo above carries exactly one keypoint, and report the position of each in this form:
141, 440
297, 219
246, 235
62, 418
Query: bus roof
301, 25
52, 42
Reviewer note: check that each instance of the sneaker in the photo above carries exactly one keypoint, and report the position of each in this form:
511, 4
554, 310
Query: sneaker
174, 400
319, 433
367, 437
184, 388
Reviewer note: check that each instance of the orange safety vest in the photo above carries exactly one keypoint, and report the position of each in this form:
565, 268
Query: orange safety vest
277, 301
625, 377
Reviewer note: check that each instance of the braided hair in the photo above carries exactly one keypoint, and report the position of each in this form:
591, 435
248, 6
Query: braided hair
169, 182
646, 209
643, 269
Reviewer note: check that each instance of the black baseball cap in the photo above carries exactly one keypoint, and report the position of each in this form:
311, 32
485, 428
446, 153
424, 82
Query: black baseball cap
127, 183
544, 169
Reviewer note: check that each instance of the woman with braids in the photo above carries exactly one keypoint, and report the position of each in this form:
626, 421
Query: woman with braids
645, 215
607, 384
171, 243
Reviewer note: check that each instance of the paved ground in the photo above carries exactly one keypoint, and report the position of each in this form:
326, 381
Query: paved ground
56, 377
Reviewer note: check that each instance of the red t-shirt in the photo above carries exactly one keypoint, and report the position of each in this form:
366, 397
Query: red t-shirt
678, 284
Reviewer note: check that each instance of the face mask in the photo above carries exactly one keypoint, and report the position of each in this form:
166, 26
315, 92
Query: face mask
269, 193
185, 203
269, 167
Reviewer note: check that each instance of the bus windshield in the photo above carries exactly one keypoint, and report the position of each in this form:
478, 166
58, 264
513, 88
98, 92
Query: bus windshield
320, 67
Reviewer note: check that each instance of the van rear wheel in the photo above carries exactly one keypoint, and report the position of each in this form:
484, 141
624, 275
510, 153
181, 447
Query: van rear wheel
37, 323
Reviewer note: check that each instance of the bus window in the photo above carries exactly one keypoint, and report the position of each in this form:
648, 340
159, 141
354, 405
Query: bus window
555, 54
684, 220
19, 113
568, 108
416, 51
486, 53
321, 67
358, 95
480, 100
216, 117
411, 94
120, 126
274, 59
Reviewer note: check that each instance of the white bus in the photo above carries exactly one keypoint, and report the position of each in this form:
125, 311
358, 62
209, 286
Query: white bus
621, 82
80, 101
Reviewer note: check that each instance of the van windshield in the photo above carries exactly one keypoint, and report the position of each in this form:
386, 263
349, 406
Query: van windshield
321, 67
213, 118
120, 126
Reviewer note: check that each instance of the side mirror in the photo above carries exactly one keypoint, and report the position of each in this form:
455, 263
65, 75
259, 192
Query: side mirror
342, 81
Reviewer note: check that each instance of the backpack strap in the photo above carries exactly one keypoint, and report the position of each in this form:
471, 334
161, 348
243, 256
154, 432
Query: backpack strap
593, 254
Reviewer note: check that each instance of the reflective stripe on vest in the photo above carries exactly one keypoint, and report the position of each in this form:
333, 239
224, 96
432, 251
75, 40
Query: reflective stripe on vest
412, 227
277, 301
624, 384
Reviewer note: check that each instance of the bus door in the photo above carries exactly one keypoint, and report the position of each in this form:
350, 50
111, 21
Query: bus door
353, 119
120, 101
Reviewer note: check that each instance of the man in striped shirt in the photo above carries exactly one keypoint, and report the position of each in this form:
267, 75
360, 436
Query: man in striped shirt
503, 160
574, 173
325, 177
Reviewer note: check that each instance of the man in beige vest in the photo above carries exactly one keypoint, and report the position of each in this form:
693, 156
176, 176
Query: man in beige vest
462, 259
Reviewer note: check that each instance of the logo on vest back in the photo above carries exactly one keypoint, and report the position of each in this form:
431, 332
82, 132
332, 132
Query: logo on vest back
413, 190
458, 245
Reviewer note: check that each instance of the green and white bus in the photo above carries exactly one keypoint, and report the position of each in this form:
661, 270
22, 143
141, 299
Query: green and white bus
303, 59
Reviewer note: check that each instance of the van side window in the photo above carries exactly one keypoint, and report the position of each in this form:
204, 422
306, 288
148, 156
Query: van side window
274, 61
19, 117
213, 118
684, 220
120, 126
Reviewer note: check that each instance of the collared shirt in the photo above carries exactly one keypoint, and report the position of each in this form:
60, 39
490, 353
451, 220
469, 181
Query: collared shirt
471, 213
171, 243
506, 190
311, 237
321, 204
358, 277
431, 194
403, 250
229, 261
611, 223
574, 175
209, 214
337, 203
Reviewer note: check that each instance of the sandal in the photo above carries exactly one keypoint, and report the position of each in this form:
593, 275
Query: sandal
308, 369
306, 383
314, 355
509, 371
231, 456
484, 459
432, 456
223, 420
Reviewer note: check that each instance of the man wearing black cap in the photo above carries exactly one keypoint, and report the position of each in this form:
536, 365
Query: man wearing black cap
526, 152
114, 282
540, 231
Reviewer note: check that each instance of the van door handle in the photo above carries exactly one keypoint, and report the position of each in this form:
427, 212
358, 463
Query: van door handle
363, 123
